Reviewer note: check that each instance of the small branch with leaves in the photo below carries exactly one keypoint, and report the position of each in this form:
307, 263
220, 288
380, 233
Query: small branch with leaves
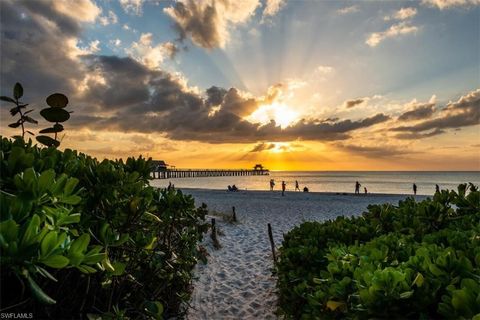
17, 94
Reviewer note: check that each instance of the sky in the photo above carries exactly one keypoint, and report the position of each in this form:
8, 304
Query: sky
290, 84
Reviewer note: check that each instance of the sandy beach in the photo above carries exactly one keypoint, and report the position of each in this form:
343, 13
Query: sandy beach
237, 281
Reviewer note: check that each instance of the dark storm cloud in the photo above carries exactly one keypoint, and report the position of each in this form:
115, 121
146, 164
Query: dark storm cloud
262, 147
462, 113
124, 81
34, 52
353, 103
215, 95
420, 112
200, 23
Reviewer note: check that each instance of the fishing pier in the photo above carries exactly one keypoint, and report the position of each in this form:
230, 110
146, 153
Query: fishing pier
160, 170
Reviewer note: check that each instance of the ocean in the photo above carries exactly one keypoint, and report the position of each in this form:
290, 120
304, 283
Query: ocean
389, 182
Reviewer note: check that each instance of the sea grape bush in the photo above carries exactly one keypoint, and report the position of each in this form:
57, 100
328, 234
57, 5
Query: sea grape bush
82, 238
415, 260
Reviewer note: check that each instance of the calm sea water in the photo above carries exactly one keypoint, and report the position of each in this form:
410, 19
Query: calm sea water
392, 182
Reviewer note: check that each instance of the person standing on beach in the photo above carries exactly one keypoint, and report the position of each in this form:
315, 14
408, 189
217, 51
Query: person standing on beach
272, 184
357, 187
437, 188
284, 186
414, 189
297, 187
365, 189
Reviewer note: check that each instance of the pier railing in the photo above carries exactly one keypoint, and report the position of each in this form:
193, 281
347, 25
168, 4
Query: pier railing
196, 173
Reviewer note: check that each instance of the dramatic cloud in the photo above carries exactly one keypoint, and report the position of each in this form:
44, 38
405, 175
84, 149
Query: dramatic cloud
462, 113
262, 147
39, 46
353, 103
419, 112
151, 55
348, 10
139, 99
132, 6
386, 151
208, 23
394, 31
446, 4
402, 14
419, 135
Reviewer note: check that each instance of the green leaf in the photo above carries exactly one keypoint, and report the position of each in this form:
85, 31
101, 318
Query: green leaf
48, 244
119, 268
31, 231
47, 141
72, 218
57, 100
7, 99
56, 261
406, 294
155, 308
38, 292
80, 244
17, 91
70, 186
9, 230
418, 280
55, 114
86, 269
46, 179
73, 200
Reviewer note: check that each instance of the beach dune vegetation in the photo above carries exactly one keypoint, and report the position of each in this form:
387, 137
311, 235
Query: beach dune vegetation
86, 238
415, 260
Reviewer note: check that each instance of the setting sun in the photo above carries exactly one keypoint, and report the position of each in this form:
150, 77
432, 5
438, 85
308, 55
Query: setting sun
282, 114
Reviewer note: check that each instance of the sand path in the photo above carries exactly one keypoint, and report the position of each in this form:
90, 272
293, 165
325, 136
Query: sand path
237, 281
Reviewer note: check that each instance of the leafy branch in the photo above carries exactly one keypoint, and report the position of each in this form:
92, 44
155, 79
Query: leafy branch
17, 94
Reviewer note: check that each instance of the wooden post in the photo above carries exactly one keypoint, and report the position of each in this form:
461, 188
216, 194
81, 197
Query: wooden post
234, 215
216, 244
270, 235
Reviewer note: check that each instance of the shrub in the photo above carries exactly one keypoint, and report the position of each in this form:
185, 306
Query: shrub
82, 237
414, 260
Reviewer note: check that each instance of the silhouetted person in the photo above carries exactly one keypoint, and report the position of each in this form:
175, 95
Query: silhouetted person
414, 189
169, 186
437, 188
297, 187
234, 188
272, 184
365, 189
305, 189
357, 187
229, 188
284, 186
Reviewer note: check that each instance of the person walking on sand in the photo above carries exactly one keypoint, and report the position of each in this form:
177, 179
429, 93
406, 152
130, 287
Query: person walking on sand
357, 187
414, 189
284, 185
365, 189
272, 184
437, 188
297, 187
